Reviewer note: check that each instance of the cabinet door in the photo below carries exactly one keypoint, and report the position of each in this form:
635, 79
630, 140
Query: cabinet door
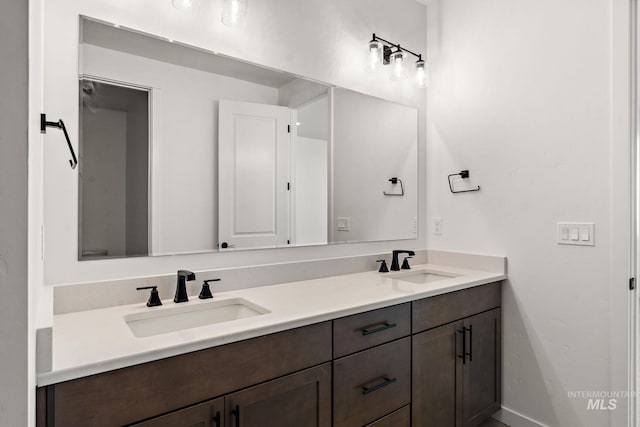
481, 390
298, 400
208, 414
436, 376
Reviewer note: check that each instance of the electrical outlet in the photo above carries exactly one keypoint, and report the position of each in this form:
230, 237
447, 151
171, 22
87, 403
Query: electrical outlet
436, 223
343, 223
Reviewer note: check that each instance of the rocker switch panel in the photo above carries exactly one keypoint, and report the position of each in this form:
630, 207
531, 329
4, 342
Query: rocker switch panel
576, 233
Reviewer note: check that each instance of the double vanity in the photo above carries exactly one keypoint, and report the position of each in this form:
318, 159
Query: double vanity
415, 347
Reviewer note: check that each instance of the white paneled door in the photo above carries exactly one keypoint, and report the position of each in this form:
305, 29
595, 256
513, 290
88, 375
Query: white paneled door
253, 162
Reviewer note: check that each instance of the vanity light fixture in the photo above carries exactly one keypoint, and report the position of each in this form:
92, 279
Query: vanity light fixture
422, 74
184, 4
383, 52
234, 12
376, 52
398, 65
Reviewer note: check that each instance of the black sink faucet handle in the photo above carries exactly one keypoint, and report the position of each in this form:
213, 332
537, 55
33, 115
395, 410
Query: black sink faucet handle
205, 293
383, 266
405, 263
154, 297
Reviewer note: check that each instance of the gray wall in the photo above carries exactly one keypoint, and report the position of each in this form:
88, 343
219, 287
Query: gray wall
13, 213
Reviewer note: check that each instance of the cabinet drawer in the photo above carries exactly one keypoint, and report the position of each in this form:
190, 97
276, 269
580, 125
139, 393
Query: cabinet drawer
435, 311
372, 383
366, 330
400, 418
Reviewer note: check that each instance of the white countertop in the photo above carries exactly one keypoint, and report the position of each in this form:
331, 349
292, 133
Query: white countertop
95, 341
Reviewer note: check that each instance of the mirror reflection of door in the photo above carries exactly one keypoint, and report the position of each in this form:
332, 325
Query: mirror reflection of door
114, 169
253, 167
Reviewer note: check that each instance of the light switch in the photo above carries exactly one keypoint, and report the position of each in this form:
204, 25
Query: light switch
575, 233
584, 234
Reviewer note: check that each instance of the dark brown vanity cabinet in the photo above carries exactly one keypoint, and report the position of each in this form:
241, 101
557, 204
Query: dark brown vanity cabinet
278, 363
457, 365
430, 362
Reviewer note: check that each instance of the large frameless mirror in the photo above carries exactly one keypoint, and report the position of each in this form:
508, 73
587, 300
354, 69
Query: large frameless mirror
186, 151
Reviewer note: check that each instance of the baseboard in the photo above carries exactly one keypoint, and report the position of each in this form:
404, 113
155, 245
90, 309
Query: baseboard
514, 419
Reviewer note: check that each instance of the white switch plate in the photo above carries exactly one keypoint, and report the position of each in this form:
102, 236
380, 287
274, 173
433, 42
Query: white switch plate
344, 223
436, 225
576, 233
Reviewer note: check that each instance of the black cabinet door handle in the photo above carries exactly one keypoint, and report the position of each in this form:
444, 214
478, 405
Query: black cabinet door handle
463, 331
386, 382
216, 419
385, 325
236, 413
470, 353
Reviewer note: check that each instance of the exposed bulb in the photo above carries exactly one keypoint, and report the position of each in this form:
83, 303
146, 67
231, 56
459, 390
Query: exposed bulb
234, 12
184, 4
398, 66
422, 74
374, 61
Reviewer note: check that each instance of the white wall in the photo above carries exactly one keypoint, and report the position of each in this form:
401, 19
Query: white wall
15, 336
521, 96
325, 40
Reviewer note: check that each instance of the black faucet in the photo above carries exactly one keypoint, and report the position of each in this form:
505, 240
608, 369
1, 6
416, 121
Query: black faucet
395, 266
181, 287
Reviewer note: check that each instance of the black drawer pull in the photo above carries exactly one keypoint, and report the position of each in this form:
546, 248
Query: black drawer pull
470, 353
463, 331
216, 419
386, 382
384, 327
236, 412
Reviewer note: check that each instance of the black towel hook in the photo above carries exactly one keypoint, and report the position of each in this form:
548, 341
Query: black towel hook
44, 124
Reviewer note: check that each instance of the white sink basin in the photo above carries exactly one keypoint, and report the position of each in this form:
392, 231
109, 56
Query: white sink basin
164, 320
422, 277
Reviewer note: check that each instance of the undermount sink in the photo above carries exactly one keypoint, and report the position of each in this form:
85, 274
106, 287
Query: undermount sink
422, 277
162, 321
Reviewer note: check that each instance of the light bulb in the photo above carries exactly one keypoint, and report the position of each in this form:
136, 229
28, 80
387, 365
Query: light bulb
422, 74
234, 12
398, 66
374, 61
183, 4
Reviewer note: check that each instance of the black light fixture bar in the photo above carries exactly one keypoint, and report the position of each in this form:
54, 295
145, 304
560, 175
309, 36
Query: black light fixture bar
397, 46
